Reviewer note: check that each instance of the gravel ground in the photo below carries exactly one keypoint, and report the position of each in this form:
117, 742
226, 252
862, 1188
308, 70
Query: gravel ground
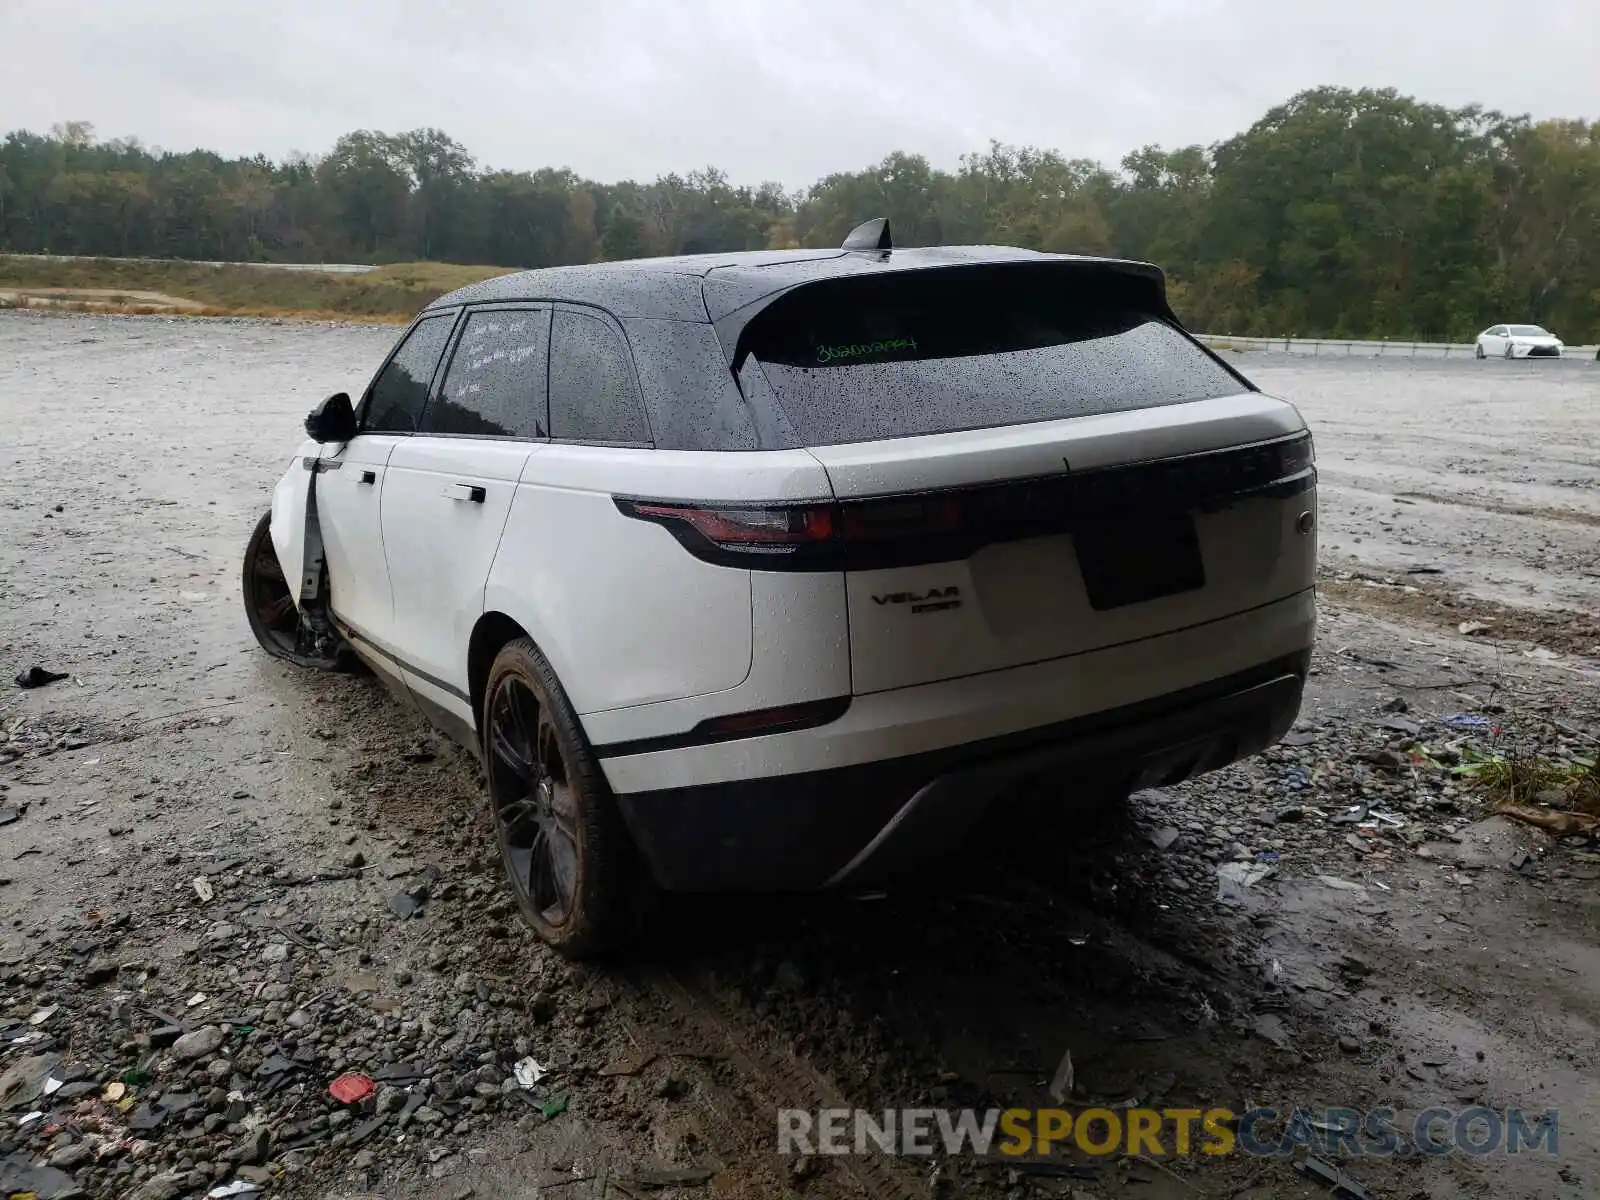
205, 855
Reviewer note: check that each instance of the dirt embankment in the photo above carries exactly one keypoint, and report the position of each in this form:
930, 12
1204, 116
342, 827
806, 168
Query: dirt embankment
391, 293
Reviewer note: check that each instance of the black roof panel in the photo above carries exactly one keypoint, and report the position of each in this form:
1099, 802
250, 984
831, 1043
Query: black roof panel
692, 287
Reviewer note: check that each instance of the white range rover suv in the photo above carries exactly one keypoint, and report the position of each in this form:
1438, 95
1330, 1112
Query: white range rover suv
780, 570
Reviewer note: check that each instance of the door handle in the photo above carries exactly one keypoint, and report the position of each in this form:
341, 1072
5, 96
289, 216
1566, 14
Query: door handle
465, 491
368, 477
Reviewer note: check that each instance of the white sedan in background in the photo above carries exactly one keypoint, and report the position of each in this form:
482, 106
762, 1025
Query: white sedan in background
1518, 341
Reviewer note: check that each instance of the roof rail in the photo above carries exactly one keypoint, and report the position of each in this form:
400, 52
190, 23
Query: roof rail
869, 235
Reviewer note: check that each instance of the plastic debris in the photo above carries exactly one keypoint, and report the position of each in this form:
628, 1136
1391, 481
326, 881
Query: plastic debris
1162, 838
52, 1085
115, 1090
1468, 628
239, 1187
30, 1118
36, 677
1465, 720
351, 1088
529, 1072
1351, 816
1235, 878
553, 1107
1061, 1084
1341, 885
202, 888
1325, 1173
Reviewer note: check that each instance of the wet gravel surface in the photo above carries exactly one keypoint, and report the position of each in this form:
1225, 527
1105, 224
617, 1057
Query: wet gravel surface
205, 856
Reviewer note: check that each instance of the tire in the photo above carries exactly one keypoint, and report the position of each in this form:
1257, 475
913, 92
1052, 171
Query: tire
268, 602
1479, 351
562, 842
274, 618
1508, 351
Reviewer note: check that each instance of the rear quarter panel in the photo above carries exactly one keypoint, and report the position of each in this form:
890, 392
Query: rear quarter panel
625, 614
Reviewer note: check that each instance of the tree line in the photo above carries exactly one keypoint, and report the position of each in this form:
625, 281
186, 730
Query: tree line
1340, 213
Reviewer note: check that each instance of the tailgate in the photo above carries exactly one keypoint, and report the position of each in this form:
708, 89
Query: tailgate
1150, 530
1032, 463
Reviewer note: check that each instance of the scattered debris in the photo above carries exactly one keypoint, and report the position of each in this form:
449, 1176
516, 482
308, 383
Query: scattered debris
202, 888
529, 1072
1325, 1173
37, 677
1465, 720
351, 1088
1235, 878
672, 1177
1163, 837
1061, 1084
553, 1107
1469, 628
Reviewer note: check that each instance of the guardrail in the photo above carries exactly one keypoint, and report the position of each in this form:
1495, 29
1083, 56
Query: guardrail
1348, 348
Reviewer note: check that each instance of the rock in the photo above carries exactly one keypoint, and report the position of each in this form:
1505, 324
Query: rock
355, 860
70, 1158
390, 1099
166, 1186
275, 952
253, 1148
1349, 1044
202, 1042
24, 1080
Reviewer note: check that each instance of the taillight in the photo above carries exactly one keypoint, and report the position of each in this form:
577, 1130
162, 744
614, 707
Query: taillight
776, 528
751, 536
892, 531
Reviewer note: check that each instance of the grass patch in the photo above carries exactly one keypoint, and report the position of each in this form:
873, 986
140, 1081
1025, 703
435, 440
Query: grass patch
391, 293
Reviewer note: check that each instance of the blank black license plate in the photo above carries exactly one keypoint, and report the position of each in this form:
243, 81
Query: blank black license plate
1141, 558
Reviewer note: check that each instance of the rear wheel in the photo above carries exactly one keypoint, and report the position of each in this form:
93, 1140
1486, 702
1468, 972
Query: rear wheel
1479, 351
561, 837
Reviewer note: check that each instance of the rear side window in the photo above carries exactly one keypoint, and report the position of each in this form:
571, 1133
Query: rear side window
495, 384
593, 394
941, 351
400, 391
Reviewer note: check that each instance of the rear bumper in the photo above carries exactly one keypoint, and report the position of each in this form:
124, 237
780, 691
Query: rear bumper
853, 824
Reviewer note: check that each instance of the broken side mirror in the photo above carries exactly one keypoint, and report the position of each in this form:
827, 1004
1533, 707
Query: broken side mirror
334, 420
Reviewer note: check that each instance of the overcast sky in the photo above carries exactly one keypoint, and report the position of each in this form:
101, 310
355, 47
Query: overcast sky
788, 90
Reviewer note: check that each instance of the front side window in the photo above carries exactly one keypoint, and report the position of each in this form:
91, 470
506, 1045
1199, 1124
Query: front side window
495, 384
593, 394
398, 395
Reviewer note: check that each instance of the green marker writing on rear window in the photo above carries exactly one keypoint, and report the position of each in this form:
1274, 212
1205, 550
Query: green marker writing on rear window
828, 354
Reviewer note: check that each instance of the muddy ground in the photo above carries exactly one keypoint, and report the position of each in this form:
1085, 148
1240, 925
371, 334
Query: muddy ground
205, 854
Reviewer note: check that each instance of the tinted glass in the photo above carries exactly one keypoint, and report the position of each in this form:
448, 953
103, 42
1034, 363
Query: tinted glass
1528, 331
689, 394
593, 396
900, 356
495, 383
401, 389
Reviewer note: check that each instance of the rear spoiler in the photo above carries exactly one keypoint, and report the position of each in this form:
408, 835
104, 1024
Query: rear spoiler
1140, 284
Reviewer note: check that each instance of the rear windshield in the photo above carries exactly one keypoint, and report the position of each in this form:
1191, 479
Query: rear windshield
939, 351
